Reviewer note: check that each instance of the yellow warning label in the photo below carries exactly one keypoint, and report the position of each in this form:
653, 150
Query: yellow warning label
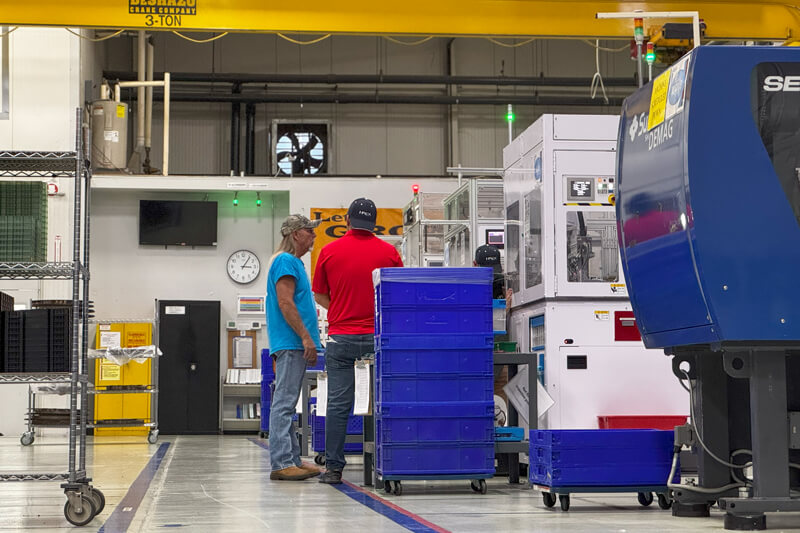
110, 372
601, 315
121, 111
658, 101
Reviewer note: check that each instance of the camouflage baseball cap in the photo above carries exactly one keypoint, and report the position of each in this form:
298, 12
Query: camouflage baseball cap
297, 222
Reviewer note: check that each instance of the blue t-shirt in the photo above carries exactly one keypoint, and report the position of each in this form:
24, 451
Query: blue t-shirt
281, 334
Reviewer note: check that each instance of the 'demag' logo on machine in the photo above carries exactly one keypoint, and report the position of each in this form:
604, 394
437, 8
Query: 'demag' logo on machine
787, 84
162, 7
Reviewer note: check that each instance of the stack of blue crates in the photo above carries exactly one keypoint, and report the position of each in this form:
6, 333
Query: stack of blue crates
601, 457
434, 396
355, 426
267, 377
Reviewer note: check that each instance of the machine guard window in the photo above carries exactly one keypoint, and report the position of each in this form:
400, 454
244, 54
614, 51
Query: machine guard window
592, 247
512, 245
533, 238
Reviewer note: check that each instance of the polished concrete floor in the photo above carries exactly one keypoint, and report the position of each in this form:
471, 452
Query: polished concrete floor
210, 483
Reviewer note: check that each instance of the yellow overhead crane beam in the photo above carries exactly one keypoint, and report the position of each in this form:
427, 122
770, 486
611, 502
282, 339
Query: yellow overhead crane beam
731, 20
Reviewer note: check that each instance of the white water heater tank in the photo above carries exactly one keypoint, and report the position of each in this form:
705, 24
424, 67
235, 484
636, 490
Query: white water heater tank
109, 134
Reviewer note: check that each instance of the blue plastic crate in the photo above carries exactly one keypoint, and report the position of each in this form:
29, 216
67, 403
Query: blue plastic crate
427, 319
434, 388
434, 459
602, 438
602, 475
461, 361
435, 422
450, 341
509, 434
598, 456
441, 286
355, 425
425, 430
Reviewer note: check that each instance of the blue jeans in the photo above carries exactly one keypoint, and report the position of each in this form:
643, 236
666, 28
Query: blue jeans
284, 448
341, 352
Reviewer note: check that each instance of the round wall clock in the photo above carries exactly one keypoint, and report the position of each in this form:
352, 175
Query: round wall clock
243, 266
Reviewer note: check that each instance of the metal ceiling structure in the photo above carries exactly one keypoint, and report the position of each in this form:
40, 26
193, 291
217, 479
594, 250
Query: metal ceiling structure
726, 20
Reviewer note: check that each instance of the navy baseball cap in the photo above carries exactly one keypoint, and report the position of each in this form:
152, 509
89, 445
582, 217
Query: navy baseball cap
362, 213
487, 256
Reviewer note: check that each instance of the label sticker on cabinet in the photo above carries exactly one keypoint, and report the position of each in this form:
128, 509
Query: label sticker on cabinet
111, 136
619, 288
175, 310
601, 315
110, 372
110, 339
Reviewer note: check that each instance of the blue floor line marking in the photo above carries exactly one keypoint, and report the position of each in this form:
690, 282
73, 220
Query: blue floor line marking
120, 519
376, 505
381, 508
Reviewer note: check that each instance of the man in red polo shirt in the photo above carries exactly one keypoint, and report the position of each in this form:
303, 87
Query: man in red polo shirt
343, 285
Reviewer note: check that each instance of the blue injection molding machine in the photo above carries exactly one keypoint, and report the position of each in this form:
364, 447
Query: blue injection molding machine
708, 204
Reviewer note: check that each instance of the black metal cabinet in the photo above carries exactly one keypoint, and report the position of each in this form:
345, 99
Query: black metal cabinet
188, 336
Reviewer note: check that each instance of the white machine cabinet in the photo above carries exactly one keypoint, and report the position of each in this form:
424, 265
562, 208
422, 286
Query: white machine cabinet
569, 302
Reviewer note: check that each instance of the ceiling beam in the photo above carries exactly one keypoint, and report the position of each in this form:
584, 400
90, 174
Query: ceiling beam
731, 20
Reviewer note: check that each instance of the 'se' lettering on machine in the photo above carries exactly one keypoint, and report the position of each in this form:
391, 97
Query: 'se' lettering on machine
708, 214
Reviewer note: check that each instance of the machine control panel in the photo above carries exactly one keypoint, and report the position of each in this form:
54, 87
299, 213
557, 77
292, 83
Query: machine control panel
591, 189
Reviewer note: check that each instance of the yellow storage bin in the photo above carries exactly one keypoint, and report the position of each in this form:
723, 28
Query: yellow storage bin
130, 405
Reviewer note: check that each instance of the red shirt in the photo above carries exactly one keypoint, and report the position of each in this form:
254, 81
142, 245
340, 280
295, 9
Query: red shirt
344, 271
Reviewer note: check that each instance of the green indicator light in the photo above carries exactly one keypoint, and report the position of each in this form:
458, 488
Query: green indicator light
510, 117
235, 201
258, 202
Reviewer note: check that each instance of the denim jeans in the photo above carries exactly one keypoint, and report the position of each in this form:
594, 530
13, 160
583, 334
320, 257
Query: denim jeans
284, 448
341, 352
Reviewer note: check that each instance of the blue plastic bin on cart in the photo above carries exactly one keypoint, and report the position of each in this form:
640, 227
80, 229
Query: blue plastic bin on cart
434, 393
408, 423
355, 426
603, 458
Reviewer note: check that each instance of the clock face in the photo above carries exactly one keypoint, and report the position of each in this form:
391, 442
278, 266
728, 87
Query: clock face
243, 266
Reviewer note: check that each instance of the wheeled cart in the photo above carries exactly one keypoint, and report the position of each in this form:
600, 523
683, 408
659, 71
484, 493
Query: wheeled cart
644, 494
393, 484
84, 502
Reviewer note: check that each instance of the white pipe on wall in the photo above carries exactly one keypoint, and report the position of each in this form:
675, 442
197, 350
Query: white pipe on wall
165, 169
165, 84
140, 101
148, 124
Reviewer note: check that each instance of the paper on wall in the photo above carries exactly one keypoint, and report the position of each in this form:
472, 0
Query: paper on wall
361, 404
517, 392
322, 393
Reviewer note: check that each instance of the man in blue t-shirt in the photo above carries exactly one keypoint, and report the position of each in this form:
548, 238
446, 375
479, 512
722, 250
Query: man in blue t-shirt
293, 342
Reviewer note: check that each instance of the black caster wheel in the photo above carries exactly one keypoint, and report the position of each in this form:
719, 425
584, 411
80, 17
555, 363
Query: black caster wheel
98, 499
474, 486
482, 486
27, 438
152, 437
664, 502
549, 499
398, 488
79, 516
564, 501
387, 487
645, 498
319, 459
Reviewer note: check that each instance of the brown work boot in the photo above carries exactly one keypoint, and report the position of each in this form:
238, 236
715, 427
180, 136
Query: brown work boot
310, 467
291, 473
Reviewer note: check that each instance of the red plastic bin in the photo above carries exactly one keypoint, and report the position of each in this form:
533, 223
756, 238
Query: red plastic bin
667, 422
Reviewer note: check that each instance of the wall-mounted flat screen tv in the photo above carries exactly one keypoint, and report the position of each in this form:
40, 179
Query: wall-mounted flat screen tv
182, 223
